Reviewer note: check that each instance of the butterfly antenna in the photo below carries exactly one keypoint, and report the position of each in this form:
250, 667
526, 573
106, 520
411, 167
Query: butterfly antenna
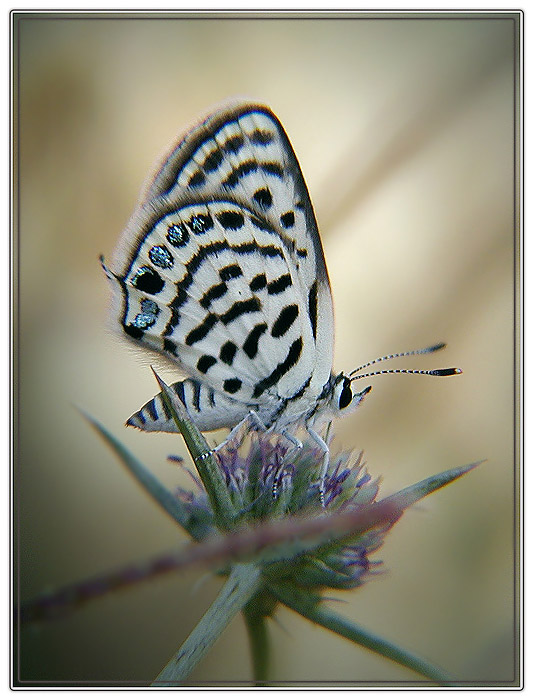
447, 372
423, 351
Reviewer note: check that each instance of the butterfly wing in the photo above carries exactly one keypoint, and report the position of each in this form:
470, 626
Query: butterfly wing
221, 267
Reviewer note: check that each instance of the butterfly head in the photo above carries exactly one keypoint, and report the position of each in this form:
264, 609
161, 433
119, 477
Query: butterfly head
344, 399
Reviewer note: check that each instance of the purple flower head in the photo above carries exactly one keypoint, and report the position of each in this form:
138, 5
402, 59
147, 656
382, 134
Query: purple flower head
268, 479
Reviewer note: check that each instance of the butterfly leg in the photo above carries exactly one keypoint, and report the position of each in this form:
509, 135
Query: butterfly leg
325, 461
297, 443
250, 418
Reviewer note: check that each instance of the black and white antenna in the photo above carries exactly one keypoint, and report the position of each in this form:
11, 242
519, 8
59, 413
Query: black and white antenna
447, 372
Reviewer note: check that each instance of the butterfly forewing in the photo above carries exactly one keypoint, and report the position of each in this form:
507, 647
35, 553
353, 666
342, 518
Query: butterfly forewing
222, 266
243, 151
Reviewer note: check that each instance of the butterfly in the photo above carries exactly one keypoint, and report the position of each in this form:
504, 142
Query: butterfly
221, 269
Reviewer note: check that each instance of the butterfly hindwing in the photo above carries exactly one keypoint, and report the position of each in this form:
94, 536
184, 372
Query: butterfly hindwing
223, 301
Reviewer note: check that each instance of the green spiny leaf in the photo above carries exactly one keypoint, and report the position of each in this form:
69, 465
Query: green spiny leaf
206, 463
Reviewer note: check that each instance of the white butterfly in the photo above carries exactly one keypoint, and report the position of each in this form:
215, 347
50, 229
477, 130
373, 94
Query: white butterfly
221, 269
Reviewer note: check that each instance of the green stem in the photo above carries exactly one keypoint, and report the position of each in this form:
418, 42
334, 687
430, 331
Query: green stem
309, 606
243, 581
256, 624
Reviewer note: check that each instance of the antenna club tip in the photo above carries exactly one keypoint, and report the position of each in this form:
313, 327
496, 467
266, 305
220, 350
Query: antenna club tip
448, 372
436, 347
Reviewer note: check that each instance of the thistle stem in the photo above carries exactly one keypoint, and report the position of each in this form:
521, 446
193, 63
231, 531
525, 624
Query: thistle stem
243, 581
256, 625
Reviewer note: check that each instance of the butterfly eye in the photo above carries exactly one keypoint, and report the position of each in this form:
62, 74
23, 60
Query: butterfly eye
346, 394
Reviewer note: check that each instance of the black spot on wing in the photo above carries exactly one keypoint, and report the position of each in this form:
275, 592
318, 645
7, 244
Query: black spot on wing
249, 166
148, 280
205, 362
197, 180
284, 321
280, 284
263, 197
232, 385
287, 219
258, 282
250, 345
199, 332
227, 352
239, 308
268, 251
230, 272
272, 168
213, 160
214, 292
232, 220
233, 144
169, 346
133, 331
261, 137
282, 368
312, 302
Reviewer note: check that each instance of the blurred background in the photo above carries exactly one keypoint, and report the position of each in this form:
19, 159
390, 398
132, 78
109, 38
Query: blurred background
405, 131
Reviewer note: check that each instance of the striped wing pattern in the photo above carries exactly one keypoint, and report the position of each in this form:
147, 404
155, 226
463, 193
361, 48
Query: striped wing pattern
221, 269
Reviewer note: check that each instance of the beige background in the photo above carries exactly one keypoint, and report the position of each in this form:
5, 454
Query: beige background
405, 133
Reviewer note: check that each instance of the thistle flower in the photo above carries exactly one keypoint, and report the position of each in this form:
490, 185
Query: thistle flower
267, 479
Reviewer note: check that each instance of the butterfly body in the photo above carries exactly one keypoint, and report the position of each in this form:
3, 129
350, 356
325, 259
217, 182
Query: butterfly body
213, 410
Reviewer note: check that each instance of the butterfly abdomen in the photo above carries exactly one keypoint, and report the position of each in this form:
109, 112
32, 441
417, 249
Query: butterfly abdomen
208, 408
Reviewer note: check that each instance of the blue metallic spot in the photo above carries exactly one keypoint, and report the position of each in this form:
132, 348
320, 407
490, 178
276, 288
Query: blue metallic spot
177, 235
160, 256
200, 223
144, 321
149, 307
